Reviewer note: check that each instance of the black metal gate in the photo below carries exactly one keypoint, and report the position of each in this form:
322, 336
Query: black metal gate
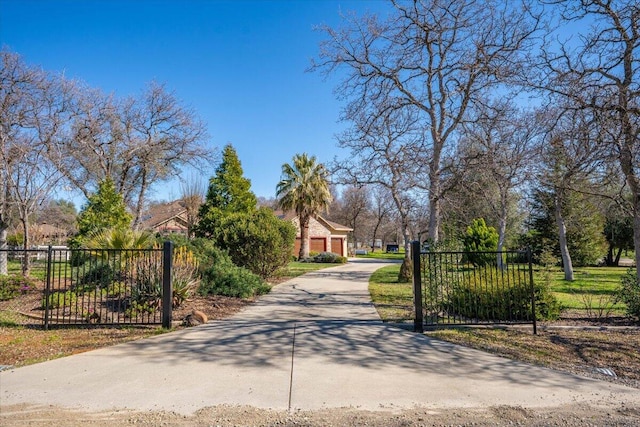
472, 288
98, 286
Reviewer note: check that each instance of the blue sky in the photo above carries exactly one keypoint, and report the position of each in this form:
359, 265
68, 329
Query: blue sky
239, 64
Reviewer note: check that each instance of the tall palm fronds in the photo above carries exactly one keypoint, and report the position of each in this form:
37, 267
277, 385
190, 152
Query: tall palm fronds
304, 189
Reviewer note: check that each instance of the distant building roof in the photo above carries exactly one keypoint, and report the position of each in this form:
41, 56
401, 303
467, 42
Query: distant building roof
160, 214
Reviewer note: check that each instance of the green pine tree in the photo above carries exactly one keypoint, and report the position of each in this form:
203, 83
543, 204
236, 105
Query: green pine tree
104, 210
229, 193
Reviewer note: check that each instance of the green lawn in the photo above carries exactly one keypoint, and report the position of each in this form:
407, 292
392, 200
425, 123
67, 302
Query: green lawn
295, 268
383, 255
393, 300
592, 291
593, 288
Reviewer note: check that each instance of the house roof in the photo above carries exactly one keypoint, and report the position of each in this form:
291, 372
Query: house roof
160, 214
289, 215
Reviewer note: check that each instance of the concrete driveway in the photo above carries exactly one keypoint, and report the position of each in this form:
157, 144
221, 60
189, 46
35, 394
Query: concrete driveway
315, 342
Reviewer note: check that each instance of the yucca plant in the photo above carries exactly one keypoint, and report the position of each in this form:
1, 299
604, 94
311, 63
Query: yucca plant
185, 275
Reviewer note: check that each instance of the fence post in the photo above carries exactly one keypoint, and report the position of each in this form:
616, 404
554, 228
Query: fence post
533, 291
47, 290
418, 322
167, 284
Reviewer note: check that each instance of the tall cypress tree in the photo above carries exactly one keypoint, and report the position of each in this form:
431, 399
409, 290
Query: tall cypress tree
229, 193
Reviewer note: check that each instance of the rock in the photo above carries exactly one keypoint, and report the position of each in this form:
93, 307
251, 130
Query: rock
196, 318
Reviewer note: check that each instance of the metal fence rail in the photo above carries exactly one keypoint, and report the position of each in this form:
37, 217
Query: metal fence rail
472, 288
96, 286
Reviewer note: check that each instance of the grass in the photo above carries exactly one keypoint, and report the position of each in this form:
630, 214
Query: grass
393, 300
383, 255
26, 345
295, 268
592, 290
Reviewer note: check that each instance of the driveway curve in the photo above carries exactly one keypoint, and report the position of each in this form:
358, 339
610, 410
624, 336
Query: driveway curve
314, 342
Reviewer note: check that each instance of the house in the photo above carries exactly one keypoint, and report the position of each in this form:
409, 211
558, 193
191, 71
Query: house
324, 235
166, 218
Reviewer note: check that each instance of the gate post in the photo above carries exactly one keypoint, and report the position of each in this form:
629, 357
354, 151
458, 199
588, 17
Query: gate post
418, 322
167, 284
47, 290
533, 291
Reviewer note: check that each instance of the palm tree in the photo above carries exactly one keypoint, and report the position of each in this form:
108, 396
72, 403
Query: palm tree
304, 188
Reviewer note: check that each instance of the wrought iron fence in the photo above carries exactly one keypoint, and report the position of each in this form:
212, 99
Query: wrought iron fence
472, 288
92, 286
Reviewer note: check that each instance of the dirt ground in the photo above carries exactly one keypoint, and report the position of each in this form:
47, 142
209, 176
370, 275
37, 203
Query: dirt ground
226, 416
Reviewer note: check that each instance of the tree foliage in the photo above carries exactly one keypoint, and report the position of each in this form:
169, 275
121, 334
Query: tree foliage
229, 193
105, 209
304, 189
259, 241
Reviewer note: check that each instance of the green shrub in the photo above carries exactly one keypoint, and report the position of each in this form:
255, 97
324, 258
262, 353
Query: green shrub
258, 241
118, 290
629, 292
100, 274
139, 308
480, 238
12, 286
329, 257
483, 296
60, 299
225, 278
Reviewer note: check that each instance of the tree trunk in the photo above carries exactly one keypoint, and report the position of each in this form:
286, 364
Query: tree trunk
616, 262
502, 230
406, 270
434, 204
137, 219
3, 249
4, 208
26, 264
562, 235
304, 238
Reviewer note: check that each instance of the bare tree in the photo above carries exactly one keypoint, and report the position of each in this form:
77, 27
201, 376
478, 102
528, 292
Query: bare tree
34, 111
382, 212
138, 142
384, 153
571, 157
501, 144
434, 57
192, 196
355, 206
600, 71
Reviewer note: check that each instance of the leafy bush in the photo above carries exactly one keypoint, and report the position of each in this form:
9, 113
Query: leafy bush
139, 308
480, 238
629, 292
225, 278
60, 299
482, 297
258, 241
329, 257
100, 274
12, 286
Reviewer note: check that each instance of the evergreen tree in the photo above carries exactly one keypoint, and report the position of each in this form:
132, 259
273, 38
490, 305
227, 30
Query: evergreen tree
105, 209
229, 193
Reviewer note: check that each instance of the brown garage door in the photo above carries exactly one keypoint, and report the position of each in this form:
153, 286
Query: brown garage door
336, 245
316, 244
